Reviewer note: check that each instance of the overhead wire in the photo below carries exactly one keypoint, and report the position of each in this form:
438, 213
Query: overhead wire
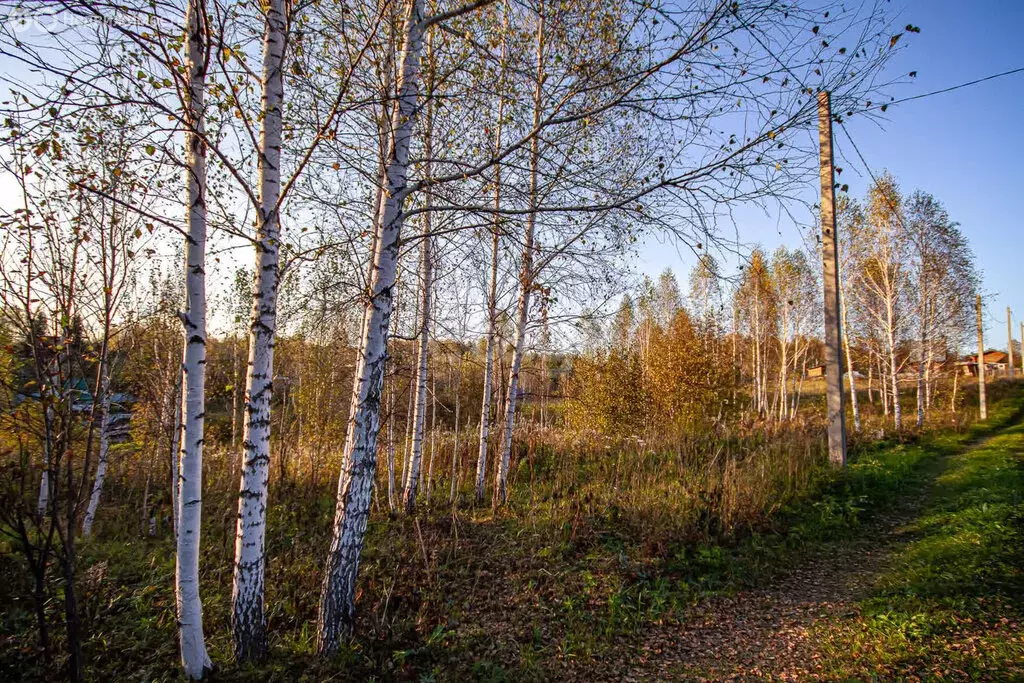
951, 88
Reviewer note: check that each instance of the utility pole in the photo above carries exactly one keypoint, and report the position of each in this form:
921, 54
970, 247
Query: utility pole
1009, 339
830, 259
982, 407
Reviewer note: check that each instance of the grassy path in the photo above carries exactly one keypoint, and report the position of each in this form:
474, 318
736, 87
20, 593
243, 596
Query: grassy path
929, 588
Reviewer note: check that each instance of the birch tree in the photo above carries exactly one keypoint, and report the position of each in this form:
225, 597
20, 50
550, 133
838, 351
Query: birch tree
758, 305
194, 657
248, 626
113, 231
44, 304
526, 273
328, 94
943, 277
492, 287
848, 212
414, 463
337, 597
794, 282
881, 253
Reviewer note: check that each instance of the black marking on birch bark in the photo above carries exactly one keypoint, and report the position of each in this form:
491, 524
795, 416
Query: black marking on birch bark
253, 564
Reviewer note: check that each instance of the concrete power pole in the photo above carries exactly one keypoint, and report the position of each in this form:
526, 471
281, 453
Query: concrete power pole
1009, 339
982, 407
830, 258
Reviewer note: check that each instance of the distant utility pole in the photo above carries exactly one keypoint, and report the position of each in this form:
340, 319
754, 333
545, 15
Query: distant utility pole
1009, 339
982, 407
830, 258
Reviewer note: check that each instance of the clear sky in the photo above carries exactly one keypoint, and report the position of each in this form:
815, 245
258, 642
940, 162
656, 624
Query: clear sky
965, 147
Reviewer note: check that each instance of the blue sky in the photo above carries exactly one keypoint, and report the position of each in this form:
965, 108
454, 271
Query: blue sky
964, 147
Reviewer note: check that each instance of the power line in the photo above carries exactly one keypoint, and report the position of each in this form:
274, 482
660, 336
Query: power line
945, 90
888, 200
951, 88
857, 150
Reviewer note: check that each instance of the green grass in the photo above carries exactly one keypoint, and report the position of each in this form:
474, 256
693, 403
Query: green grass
537, 595
880, 477
952, 603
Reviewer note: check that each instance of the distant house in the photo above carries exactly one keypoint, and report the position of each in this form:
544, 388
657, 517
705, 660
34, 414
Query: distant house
994, 361
119, 419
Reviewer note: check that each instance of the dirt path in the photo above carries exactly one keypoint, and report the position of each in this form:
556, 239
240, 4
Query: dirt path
765, 634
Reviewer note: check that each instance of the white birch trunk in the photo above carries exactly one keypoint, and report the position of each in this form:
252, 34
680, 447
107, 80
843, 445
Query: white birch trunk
922, 361
492, 303
871, 374
882, 385
175, 445
194, 658
412, 470
759, 400
248, 623
407, 443
44, 480
145, 491
544, 382
455, 446
897, 410
956, 386
526, 276
433, 433
48, 417
101, 464
922, 366
492, 296
735, 358
236, 410
928, 378
853, 382
391, 449
236, 393
336, 616
849, 357
800, 386
414, 467
488, 388
505, 454
783, 369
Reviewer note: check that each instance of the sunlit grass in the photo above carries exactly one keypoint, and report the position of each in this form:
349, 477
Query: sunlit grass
952, 603
597, 545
